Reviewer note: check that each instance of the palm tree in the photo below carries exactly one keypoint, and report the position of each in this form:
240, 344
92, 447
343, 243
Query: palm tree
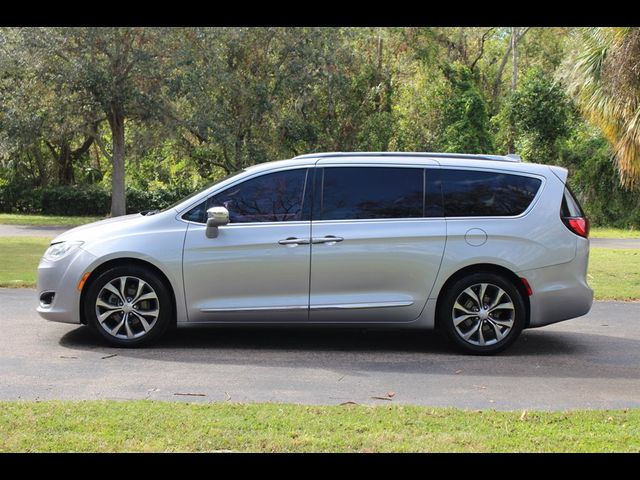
605, 81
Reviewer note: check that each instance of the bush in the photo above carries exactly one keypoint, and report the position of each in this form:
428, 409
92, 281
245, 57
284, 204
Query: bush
16, 197
139, 200
75, 201
594, 179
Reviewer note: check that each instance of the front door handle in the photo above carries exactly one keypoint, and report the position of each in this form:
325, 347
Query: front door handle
329, 239
294, 241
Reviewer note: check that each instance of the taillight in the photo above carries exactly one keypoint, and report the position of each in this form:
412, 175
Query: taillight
578, 225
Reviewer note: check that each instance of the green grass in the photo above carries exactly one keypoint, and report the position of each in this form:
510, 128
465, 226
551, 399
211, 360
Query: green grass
602, 232
149, 426
614, 274
19, 257
45, 220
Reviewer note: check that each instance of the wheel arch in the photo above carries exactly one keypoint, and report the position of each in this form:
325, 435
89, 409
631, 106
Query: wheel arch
127, 262
490, 268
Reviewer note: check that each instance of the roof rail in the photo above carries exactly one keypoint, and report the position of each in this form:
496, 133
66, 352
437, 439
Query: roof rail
502, 158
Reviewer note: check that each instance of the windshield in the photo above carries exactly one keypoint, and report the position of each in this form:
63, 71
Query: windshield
197, 192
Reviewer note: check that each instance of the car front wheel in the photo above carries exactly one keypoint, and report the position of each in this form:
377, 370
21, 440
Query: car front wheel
128, 306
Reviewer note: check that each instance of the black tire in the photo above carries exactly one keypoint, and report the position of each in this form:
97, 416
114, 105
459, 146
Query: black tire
158, 325
516, 316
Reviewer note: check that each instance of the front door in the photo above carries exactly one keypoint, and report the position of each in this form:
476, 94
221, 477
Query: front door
257, 269
378, 237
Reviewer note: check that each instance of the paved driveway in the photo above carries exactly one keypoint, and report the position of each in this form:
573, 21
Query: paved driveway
31, 231
615, 242
593, 362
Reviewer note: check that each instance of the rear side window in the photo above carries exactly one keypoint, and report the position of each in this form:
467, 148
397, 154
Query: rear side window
570, 206
472, 193
348, 193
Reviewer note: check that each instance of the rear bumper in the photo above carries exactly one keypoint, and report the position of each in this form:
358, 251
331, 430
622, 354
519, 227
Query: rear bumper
560, 292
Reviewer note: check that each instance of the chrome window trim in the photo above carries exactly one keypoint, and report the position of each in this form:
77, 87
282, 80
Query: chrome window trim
326, 163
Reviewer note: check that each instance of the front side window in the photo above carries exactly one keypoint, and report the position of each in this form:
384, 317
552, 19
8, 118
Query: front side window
473, 193
273, 197
348, 193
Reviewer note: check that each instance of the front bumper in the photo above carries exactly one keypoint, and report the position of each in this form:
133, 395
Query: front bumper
61, 278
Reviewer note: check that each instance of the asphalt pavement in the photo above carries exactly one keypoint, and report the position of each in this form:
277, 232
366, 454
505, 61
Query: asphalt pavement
588, 362
31, 231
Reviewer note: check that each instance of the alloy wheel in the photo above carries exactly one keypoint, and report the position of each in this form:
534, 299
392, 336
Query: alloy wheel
483, 314
127, 307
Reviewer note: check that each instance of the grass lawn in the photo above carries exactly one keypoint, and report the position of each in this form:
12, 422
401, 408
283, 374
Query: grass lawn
112, 426
601, 232
614, 274
45, 220
19, 257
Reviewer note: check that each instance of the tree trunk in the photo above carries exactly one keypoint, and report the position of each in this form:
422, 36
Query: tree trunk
514, 58
65, 165
118, 199
40, 164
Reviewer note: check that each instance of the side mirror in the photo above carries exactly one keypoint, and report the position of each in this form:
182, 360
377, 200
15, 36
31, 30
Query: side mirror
217, 216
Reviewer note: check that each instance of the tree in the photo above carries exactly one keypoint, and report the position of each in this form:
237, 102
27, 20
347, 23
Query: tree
248, 95
535, 118
40, 116
465, 123
604, 81
115, 74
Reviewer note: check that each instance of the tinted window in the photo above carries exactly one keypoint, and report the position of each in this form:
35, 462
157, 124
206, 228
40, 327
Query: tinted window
570, 205
273, 197
370, 192
469, 193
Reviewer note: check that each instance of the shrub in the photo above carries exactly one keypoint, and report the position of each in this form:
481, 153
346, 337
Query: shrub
93, 200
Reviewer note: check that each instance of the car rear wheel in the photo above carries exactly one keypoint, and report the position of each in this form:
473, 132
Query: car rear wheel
482, 314
128, 306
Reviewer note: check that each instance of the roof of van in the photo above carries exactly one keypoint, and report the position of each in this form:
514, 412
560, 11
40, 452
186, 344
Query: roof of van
501, 162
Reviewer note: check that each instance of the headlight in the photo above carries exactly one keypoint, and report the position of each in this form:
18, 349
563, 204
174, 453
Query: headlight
60, 250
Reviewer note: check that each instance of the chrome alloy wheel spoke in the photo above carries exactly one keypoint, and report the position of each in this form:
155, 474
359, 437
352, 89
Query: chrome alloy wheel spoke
483, 314
123, 315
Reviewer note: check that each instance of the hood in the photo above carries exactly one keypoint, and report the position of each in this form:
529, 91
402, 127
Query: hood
109, 227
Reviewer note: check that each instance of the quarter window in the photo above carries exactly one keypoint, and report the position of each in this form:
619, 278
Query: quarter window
273, 197
570, 206
370, 192
472, 193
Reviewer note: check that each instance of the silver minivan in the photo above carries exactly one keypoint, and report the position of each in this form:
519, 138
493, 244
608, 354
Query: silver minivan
478, 246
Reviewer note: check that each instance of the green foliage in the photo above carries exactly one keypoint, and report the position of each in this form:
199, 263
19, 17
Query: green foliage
465, 121
594, 178
140, 200
535, 118
185, 106
81, 201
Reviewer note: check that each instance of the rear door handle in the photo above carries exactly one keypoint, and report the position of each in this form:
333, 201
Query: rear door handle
294, 241
329, 239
